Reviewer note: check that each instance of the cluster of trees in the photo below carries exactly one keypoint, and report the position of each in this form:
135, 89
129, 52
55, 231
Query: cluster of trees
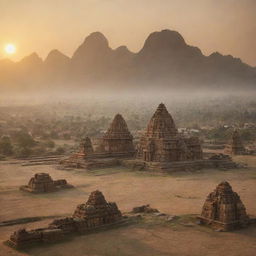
222, 134
21, 145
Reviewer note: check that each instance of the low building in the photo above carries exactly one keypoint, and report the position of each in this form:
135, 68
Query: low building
43, 183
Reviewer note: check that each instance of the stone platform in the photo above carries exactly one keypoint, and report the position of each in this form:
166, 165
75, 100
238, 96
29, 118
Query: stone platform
91, 163
216, 161
95, 214
52, 235
179, 165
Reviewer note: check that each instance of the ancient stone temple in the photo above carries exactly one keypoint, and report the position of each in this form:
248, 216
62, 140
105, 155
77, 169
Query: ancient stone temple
223, 209
235, 147
162, 143
95, 214
118, 139
116, 143
43, 183
97, 211
85, 149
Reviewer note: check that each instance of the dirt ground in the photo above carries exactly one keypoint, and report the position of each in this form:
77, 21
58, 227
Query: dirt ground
176, 194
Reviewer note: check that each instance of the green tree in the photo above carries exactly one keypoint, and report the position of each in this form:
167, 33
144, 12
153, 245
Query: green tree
49, 144
6, 146
21, 152
24, 139
60, 151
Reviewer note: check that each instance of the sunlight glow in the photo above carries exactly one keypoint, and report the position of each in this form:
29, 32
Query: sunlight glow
10, 49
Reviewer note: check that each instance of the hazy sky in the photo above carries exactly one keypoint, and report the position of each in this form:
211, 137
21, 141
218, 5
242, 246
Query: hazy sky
227, 26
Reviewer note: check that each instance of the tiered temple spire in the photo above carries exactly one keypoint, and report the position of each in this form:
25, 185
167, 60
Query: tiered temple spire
223, 209
162, 143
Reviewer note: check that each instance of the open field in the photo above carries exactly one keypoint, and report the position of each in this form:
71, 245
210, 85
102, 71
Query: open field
177, 194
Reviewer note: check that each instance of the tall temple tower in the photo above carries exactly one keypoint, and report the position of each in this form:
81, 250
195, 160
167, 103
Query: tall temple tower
162, 143
118, 139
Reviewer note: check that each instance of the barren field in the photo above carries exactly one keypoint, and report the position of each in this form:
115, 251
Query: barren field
176, 194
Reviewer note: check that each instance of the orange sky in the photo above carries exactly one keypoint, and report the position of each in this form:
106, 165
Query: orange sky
227, 26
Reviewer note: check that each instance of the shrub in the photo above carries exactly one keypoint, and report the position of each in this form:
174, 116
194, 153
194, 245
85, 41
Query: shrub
60, 151
6, 146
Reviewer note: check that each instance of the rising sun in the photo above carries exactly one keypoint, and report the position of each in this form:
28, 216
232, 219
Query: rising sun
10, 48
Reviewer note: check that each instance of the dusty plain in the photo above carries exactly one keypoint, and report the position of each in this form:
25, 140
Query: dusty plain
175, 194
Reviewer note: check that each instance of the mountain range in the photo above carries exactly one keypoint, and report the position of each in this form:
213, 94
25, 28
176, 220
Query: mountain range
165, 61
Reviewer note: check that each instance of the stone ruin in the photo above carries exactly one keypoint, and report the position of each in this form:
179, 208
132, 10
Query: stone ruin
118, 139
43, 183
160, 148
144, 209
162, 143
97, 211
116, 143
235, 147
223, 209
94, 214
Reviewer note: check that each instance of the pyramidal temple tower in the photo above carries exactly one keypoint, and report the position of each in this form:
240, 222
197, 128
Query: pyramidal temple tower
118, 139
162, 143
97, 211
161, 125
223, 209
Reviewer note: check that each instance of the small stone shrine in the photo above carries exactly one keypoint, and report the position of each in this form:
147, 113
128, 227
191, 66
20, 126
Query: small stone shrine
223, 209
43, 183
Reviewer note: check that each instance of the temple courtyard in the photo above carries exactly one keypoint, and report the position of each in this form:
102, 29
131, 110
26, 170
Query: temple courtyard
181, 194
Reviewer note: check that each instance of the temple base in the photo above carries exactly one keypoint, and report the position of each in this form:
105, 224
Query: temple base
35, 191
220, 226
53, 235
180, 165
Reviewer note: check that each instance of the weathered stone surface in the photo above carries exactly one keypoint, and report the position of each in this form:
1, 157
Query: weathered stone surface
161, 125
118, 138
162, 143
223, 209
43, 183
235, 147
194, 147
116, 143
97, 211
23, 238
177, 166
144, 209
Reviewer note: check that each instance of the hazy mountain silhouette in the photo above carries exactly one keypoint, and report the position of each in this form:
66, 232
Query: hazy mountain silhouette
165, 60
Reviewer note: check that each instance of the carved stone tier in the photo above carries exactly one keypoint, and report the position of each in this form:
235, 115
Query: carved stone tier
117, 143
162, 143
95, 214
43, 183
118, 138
97, 211
223, 209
